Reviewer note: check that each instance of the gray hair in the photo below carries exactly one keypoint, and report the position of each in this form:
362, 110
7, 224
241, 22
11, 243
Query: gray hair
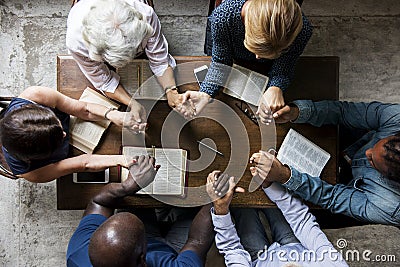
113, 31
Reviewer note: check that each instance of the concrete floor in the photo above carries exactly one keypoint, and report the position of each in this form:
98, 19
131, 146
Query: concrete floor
364, 33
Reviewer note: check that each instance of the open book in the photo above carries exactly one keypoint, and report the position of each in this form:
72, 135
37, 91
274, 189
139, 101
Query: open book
138, 80
246, 85
302, 154
170, 178
85, 135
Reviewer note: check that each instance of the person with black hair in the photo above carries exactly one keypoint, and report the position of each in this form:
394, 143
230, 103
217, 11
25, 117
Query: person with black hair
34, 133
373, 193
105, 239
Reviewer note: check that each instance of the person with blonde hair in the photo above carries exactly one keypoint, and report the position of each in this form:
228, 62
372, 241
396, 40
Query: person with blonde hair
253, 33
107, 34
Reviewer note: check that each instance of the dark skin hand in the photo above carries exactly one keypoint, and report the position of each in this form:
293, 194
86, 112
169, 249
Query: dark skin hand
287, 113
220, 188
142, 173
269, 169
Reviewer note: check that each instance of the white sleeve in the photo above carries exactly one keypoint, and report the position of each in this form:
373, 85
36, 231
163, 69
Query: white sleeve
157, 48
97, 73
303, 224
228, 242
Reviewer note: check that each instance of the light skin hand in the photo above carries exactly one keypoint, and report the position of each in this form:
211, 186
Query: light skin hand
272, 98
286, 114
196, 99
269, 168
221, 185
175, 101
135, 120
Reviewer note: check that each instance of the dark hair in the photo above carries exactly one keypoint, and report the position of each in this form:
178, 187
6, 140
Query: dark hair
31, 132
392, 157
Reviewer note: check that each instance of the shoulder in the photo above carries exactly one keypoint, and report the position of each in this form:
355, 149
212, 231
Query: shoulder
161, 254
77, 252
76, 15
146, 10
17, 103
307, 28
227, 12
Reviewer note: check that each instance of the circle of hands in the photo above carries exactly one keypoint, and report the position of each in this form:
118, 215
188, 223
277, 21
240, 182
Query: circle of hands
191, 103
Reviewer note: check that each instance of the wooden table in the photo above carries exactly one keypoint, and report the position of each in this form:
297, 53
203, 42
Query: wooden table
316, 78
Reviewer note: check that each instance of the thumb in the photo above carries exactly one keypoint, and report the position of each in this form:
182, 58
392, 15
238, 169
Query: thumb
185, 97
239, 190
282, 111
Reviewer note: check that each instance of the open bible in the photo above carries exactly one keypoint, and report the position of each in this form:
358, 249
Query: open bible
170, 178
302, 154
85, 135
138, 80
245, 84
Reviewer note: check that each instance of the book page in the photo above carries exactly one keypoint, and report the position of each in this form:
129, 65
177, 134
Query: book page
138, 79
170, 176
85, 135
130, 76
254, 88
302, 154
236, 82
246, 85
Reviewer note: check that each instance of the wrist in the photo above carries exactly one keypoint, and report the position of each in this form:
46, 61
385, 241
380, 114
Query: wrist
107, 113
171, 89
286, 174
221, 210
294, 112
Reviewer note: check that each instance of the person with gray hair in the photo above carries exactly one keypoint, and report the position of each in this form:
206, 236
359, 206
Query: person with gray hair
104, 33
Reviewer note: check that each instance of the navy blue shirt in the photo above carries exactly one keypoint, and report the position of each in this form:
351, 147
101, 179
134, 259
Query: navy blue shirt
20, 167
158, 253
228, 34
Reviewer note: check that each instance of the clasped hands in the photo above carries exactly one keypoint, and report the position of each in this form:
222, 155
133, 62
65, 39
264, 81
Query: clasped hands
267, 169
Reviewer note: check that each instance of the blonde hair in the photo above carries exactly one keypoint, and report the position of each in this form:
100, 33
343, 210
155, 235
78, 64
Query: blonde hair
113, 31
271, 26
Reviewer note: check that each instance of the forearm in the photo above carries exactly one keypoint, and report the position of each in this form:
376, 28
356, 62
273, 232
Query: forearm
337, 198
228, 242
105, 202
367, 116
167, 79
201, 233
297, 214
120, 95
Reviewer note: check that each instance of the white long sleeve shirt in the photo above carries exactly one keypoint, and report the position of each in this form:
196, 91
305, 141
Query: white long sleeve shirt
156, 47
314, 250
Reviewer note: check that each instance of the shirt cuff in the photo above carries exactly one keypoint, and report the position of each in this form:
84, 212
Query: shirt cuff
305, 110
221, 221
295, 180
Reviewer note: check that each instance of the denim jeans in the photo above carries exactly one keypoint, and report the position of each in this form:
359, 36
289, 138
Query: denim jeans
252, 233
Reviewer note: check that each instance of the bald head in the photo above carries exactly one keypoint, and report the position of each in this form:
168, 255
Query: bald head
119, 241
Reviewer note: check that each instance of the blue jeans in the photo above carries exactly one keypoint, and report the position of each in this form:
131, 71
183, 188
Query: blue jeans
252, 232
